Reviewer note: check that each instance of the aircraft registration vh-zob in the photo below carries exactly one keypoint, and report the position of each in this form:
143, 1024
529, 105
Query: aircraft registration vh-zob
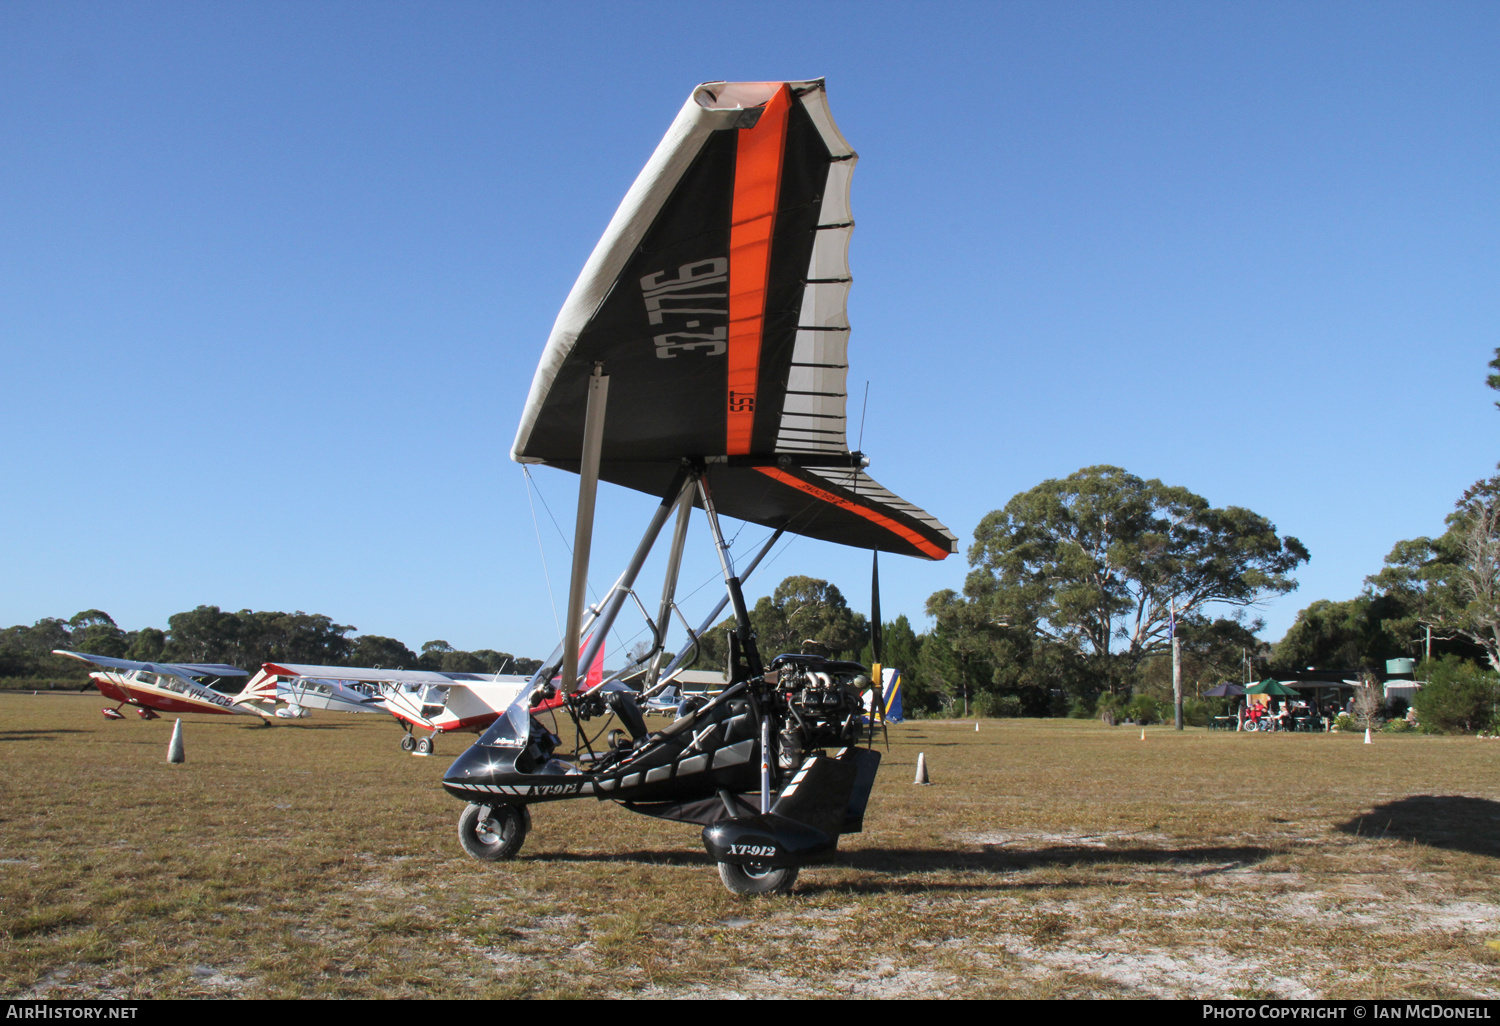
702, 357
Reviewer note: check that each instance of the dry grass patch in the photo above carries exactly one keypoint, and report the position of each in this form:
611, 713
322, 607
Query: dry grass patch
1048, 859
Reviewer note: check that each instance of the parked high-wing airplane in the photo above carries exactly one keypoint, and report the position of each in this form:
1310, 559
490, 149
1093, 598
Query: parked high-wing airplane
432, 700
290, 695
162, 687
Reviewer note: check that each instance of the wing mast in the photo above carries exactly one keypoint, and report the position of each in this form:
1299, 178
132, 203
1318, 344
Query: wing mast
583, 527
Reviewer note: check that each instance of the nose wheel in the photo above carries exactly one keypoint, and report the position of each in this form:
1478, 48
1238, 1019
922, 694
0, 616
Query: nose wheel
493, 834
757, 879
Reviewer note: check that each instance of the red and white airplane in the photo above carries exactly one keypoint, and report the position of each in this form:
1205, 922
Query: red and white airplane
433, 700
428, 699
162, 687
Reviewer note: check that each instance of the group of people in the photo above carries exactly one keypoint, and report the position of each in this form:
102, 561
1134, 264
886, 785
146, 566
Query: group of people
1287, 714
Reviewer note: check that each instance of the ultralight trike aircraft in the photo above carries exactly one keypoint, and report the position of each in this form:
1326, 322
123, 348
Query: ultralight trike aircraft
702, 357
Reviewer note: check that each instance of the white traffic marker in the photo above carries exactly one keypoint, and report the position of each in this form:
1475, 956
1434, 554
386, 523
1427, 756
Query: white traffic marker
1367, 736
921, 769
174, 747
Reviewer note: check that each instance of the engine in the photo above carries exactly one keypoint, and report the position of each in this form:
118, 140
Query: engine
820, 705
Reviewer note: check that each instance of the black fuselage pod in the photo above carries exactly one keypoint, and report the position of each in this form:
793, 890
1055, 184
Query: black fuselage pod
826, 798
714, 748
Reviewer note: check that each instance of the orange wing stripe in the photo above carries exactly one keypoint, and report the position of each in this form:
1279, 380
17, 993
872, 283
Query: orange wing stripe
757, 184
884, 521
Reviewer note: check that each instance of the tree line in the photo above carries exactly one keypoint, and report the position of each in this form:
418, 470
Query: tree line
245, 639
1079, 587
1078, 591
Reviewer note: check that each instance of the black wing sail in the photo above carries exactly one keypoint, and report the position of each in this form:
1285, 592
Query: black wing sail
716, 302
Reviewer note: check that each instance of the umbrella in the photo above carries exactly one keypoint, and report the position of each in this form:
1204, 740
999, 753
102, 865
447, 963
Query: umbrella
1270, 687
1224, 690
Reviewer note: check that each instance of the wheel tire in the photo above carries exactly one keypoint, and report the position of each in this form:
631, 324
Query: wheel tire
502, 836
408, 743
424, 746
755, 879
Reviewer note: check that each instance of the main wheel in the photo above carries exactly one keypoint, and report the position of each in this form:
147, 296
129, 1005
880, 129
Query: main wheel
424, 746
757, 879
408, 742
500, 837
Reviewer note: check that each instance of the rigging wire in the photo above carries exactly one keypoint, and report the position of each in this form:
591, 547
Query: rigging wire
566, 545
536, 526
862, 410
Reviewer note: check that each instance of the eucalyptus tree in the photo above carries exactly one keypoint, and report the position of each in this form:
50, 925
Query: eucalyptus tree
1105, 563
1358, 634
379, 651
1451, 584
807, 609
95, 631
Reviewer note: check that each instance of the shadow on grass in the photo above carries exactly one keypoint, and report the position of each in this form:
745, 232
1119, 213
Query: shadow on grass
649, 858
309, 726
990, 859
1455, 822
37, 733
995, 859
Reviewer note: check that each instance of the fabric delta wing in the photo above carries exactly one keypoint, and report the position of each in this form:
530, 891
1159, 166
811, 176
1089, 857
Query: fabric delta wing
716, 303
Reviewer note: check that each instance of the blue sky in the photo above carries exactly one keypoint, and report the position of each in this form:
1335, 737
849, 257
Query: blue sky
274, 279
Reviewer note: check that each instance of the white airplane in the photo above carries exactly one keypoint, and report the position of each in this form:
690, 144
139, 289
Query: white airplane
162, 687
439, 702
290, 695
664, 701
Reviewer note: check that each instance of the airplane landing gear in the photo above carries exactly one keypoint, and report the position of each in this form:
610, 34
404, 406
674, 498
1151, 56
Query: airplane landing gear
757, 879
146, 714
112, 714
493, 834
424, 746
408, 742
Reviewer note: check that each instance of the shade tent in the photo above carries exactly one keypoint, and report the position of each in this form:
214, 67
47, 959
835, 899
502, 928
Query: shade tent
715, 303
1224, 690
1271, 687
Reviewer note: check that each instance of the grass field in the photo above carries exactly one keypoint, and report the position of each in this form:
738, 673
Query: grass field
1049, 858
